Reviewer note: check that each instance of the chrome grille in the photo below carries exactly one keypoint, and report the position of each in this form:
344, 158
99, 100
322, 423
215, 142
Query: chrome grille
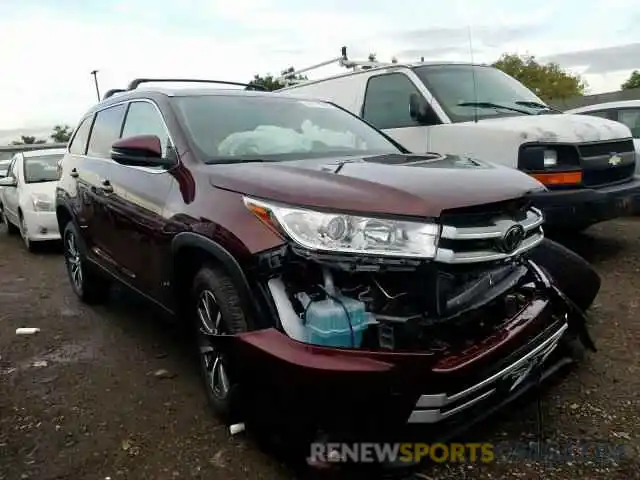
480, 243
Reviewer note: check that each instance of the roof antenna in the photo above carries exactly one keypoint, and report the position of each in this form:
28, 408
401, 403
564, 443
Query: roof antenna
473, 77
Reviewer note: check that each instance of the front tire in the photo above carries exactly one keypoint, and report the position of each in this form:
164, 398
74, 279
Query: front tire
89, 286
217, 310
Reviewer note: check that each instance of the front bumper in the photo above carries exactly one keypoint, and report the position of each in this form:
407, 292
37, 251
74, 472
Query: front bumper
41, 226
372, 395
586, 206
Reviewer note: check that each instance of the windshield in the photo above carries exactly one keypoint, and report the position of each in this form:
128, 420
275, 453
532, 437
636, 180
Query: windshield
41, 169
229, 128
453, 85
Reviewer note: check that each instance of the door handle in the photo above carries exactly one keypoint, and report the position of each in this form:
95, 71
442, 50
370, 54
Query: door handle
74, 173
107, 187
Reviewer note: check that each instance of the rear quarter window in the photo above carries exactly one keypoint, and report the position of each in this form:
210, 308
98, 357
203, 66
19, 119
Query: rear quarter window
78, 145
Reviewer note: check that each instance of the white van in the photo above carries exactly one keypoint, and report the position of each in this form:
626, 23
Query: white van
586, 162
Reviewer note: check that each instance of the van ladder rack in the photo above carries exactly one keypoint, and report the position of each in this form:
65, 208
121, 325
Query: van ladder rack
138, 81
343, 60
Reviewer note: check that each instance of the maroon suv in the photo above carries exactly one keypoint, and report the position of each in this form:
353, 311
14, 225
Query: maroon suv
333, 280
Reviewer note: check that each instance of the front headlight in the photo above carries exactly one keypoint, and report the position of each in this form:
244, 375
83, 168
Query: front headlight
343, 233
42, 203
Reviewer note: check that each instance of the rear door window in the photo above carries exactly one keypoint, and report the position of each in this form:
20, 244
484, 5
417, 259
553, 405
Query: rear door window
106, 130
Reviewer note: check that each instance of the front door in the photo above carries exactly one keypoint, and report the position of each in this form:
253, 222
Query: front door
10, 195
386, 106
133, 206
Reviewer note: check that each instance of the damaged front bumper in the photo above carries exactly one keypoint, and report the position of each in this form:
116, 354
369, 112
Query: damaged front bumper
373, 392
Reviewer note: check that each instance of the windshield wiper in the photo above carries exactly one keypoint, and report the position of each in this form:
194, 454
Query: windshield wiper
542, 106
494, 105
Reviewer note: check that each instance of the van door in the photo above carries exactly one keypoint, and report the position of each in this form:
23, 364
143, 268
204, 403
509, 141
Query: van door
387, 106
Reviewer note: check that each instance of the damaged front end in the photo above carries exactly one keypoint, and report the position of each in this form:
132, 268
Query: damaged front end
369, 342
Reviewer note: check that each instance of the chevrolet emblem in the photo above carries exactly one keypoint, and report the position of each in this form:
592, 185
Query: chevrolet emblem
614, 159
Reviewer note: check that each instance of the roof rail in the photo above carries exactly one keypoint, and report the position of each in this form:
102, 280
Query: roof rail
112, 92
138, 81
343, 60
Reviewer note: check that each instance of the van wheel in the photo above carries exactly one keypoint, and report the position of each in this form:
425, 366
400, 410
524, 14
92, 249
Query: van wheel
89, 286
573, 275
217, 310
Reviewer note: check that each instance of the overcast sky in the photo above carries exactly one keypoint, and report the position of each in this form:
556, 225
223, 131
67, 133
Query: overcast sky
49, 47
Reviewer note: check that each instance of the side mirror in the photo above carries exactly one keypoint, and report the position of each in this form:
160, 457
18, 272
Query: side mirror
418, 108
140, 151
8, 182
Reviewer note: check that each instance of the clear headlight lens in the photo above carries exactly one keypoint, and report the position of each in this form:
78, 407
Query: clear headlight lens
42, 203
349, 233
550, 158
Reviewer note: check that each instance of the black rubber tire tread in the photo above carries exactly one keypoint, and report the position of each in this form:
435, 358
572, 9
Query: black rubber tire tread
233, 321
575, 277
95, 286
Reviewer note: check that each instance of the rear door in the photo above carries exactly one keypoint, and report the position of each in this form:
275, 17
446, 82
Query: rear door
93, 173
134, 208
72, 189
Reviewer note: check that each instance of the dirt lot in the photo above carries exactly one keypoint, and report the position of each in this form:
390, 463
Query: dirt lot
86, 398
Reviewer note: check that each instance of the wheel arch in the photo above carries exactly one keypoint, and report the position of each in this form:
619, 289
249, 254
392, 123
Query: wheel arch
189, 251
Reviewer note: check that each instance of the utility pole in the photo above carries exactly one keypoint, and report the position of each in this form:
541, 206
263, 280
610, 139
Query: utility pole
95, 80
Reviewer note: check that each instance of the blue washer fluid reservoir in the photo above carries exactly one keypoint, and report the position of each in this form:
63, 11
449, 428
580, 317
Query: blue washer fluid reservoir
335, 321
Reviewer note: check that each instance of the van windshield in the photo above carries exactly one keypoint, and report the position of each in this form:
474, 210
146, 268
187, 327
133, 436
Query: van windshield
466, 90
237, 128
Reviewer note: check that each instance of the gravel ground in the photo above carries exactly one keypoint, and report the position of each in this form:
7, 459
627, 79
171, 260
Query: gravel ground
110, 392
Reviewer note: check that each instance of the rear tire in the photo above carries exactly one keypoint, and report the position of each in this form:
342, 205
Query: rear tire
88, 285
216, 308
573, 275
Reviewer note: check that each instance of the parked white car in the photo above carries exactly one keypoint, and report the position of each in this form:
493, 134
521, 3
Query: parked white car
626, 112
27, 195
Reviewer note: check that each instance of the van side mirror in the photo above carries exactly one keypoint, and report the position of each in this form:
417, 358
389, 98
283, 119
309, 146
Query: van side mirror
421, 111
8, 182
140, 151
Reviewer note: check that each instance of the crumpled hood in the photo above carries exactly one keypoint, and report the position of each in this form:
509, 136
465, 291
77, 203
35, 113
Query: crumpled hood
569, 128
421, 186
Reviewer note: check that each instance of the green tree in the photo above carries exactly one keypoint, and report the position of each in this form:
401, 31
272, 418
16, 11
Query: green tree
547, 80
27, 140
61, 134
271, 83
632, 82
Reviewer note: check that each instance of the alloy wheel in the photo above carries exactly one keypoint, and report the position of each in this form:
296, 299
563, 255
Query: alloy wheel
73, 260
209, 324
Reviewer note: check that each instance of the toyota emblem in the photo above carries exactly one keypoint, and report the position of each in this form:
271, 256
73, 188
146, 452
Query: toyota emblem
512, 239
